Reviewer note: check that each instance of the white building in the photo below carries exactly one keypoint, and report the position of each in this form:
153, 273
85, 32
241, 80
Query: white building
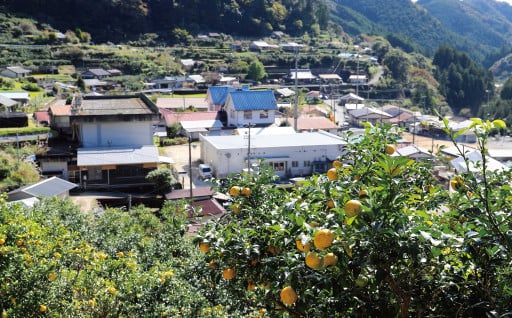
290, 154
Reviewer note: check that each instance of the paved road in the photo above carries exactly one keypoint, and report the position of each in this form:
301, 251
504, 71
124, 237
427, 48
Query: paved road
180, 154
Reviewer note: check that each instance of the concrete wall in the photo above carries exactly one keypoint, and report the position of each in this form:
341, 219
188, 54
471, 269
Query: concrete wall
116, 134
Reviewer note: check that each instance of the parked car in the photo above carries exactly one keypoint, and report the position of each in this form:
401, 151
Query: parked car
205, 171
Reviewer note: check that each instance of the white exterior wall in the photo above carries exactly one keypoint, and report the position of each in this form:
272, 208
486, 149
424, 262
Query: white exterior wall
49, 165
129, 133
236, 118
223, 166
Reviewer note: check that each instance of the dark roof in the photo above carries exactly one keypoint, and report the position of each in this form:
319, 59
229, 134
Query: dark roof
116, 105
253, 100
205, 192
208, 207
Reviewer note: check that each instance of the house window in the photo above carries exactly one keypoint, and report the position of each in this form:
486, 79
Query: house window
264, 114
295, 164
248, 114
307, 163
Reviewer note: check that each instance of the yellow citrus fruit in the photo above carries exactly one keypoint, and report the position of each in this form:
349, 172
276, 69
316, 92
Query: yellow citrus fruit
363, 193
313, 261
330, 259
330, 203
390, 149
456, 183
120, 254
288, 295
323, 239
337, 164
4, 314
235, 190
332, 174
111, 290
353, 208
204, 247
246, 191
228, 273
42, 308
301, 247
52, 276
361, 281
19, 242
2, 241
236, 207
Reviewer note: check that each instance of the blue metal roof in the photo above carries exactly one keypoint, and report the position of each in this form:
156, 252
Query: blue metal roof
219, 94
254, 100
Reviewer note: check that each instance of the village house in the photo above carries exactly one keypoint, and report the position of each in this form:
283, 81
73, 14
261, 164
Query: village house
216, 96
304, 76
15, 72
367, 114
245, 107
310, 124
193, 123
97, 73
111, 143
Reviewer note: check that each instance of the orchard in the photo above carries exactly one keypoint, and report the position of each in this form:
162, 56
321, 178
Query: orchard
375, 236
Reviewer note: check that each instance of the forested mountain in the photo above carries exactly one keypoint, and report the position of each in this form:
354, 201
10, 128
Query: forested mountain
478, 27
115, 21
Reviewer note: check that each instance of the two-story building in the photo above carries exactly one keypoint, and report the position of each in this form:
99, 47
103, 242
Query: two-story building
246, 107
112, 142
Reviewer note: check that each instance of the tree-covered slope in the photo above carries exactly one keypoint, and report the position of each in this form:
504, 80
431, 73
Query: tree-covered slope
110, 20
427, 24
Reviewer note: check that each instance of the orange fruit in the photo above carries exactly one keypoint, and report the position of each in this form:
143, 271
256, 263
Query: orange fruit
313, 261
246, 191
42, 308
2, 241
120, 254
332, 174
337, 164
323, 239
330, 203
390, 149
228, 273
19, 242
52, 276
251, 286
363, 193
330, 259
235, 191
456, 183
236, 207
301, 247
204, 247
353, 208
288, 295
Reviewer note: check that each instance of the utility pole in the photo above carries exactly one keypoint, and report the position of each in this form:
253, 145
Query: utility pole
296, 109
249, 151
190, 164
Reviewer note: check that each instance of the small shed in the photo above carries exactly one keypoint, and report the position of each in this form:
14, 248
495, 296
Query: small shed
51, 187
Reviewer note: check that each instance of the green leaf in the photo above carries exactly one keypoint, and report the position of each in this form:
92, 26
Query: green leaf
498, 123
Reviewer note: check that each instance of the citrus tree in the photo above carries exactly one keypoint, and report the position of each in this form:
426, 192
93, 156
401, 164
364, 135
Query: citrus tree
58, 261
376, 235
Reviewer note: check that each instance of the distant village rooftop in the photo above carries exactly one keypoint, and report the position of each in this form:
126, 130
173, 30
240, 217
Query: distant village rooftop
114, 105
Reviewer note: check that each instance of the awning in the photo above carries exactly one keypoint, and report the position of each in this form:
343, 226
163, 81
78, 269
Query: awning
117, 156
